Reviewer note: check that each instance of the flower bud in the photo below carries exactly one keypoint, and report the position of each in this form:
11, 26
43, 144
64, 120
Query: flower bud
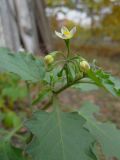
84, 66
49, 59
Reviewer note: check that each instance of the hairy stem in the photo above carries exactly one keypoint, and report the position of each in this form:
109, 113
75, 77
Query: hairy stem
67, 42
78, 80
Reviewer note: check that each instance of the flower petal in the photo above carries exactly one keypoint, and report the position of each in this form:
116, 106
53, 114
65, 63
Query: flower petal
73, 30
59, 35
64, 29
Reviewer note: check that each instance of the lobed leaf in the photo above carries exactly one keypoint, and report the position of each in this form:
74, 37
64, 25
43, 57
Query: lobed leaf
116, 82
105, 133
24, 65
104, 80
59, 136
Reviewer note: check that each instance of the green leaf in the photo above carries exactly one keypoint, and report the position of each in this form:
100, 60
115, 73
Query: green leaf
4, 51
116, 82
85, 87
59, 136
8, 152
14, 92
105, 133
25, 65
103, 80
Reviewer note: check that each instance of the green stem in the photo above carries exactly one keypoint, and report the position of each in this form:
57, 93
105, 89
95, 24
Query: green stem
10, 135
67, 42
72, 83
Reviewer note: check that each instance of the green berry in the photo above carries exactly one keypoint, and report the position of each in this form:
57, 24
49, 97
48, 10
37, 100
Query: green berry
11, 120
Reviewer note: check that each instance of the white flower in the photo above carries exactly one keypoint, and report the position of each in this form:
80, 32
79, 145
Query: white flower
65, 33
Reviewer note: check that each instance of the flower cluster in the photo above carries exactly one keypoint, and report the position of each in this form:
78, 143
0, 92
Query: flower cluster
66, 35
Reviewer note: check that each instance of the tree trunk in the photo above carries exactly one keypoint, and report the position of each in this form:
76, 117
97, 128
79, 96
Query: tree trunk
23, 24
10, 29
42, 24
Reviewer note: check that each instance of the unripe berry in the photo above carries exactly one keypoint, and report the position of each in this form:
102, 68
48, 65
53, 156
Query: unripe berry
11, 120
49, 59
84, 66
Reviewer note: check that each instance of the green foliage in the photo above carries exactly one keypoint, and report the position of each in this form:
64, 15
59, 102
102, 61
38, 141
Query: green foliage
86, 87
59, 136
54, 134
8, 152
12, 87
105, 133
24, 65
104, 80
11, 120
15, 92
116, 82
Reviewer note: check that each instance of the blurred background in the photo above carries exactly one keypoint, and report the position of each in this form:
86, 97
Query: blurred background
31, 24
